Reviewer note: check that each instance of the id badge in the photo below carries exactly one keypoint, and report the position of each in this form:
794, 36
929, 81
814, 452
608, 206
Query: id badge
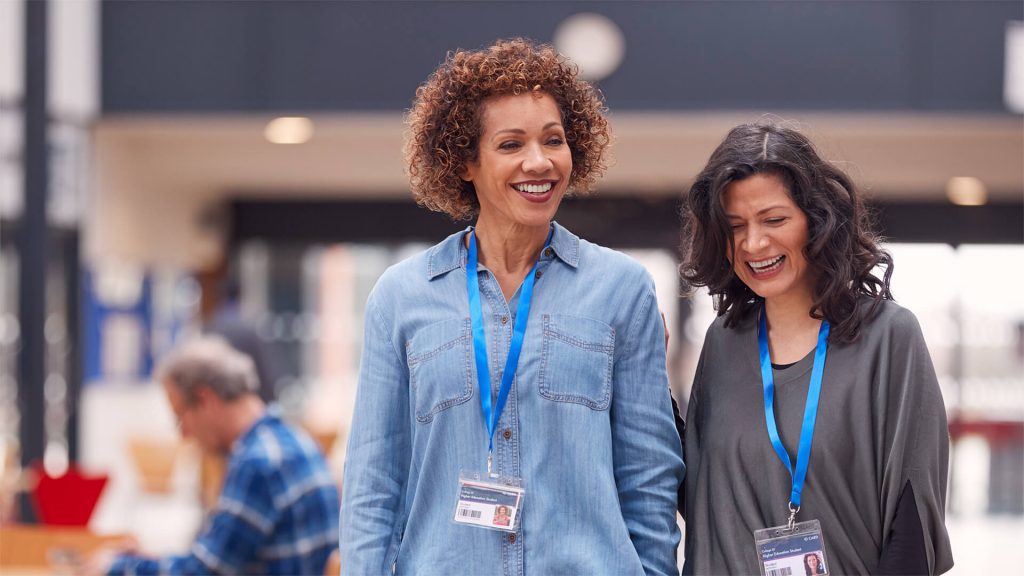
492, 503
784, 551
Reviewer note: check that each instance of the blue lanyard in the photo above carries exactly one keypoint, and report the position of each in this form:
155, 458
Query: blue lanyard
810, 408
483, 371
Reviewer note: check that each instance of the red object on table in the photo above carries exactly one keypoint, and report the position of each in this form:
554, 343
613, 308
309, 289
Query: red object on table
67, 500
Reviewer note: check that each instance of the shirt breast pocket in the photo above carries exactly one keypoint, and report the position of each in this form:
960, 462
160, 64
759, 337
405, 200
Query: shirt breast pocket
576, 361
439, 367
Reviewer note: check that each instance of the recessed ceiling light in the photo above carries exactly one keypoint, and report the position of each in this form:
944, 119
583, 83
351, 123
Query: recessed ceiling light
289, 130
966, 191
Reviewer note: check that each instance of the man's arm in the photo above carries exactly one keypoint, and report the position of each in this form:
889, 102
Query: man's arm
238, 526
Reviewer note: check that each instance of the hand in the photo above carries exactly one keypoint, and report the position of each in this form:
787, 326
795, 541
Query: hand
97, 563
100, 561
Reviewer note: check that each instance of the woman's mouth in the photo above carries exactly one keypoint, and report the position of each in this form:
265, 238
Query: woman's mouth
535, 189
766, 266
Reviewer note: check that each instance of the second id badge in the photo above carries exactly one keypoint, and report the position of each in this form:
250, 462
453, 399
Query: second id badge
492, 503
785, 551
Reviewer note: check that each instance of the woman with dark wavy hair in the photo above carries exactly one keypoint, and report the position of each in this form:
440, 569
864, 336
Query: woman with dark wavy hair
815, 404
813, 565
513, 411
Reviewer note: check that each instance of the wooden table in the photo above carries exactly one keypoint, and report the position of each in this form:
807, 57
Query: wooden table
35, 549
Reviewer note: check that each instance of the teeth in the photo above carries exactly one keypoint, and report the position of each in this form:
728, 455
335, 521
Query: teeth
533, 188
765, 265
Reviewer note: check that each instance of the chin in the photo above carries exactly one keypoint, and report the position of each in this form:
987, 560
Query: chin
536, 222
769, 289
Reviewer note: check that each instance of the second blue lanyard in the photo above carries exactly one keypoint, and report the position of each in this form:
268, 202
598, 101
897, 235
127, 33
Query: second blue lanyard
483, 371
799, 474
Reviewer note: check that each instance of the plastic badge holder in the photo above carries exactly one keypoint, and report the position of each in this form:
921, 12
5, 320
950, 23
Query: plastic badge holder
783, 551
491, 503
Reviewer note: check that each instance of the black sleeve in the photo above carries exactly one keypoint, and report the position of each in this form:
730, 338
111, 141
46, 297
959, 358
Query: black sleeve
903, 551
681, 429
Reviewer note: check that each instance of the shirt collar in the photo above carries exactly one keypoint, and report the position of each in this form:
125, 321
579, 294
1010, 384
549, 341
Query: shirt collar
451, 252
271, 414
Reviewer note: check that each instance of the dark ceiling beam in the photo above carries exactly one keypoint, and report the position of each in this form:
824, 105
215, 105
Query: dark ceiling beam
612, 221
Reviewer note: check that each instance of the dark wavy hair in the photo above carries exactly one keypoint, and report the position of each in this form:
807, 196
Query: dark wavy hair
819, 569
444, 122
841, 246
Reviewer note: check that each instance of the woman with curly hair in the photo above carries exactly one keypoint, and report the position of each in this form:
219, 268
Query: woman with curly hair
852, 449
514, 368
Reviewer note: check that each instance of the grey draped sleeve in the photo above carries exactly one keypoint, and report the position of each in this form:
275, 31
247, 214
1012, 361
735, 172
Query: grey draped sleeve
915, 435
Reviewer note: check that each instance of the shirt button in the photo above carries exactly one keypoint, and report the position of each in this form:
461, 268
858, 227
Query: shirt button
548, 252
504, 319
511, 538
507, 434
540, 273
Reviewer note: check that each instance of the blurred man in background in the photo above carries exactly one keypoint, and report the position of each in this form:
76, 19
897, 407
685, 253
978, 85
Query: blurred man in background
278, 510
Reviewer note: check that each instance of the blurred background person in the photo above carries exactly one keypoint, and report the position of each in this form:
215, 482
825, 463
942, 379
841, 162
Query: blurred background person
581, 419
278, 510
781, 240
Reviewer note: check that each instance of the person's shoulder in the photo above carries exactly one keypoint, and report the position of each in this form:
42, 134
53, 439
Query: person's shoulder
719, 332
419, 269
612, 264
717, 327
891, 318
609, 257
409, 269
278, 446
251, 461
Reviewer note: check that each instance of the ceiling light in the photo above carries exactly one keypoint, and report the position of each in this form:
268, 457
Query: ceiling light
593, 42
966, 191
289, 130
1013, 67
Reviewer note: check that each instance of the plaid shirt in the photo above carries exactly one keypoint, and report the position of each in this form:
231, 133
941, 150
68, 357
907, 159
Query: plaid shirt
277, 512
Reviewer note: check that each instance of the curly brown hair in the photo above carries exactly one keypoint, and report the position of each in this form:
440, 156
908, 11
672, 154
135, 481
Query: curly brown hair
841, 245
444, 122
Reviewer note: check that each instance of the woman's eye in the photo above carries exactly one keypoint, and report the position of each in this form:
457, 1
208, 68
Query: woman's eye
556, 141
508, 145
779, 220
736, 226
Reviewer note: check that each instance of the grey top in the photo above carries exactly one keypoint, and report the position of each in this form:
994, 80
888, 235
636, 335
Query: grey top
881, 425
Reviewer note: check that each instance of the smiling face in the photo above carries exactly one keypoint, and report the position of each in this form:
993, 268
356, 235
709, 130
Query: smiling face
769, 233
523, 163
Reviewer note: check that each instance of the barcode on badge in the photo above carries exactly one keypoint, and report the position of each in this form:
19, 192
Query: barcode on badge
474, 514
784, 571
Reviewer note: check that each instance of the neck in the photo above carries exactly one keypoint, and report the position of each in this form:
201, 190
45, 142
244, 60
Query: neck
789, 311
792, 332
240, 416
509, 248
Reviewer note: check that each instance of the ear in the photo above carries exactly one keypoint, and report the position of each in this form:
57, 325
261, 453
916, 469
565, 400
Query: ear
468, 171
204, 395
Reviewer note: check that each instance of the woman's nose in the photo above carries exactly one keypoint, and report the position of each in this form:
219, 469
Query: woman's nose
536, 160
754, 240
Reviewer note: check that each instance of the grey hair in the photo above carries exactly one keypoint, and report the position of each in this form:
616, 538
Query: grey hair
210, 361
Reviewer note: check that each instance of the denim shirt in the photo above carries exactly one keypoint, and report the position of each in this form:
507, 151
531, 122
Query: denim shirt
588, 425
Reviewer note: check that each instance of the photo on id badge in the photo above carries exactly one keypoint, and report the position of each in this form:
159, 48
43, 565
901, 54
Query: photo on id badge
796, 554
488, 505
